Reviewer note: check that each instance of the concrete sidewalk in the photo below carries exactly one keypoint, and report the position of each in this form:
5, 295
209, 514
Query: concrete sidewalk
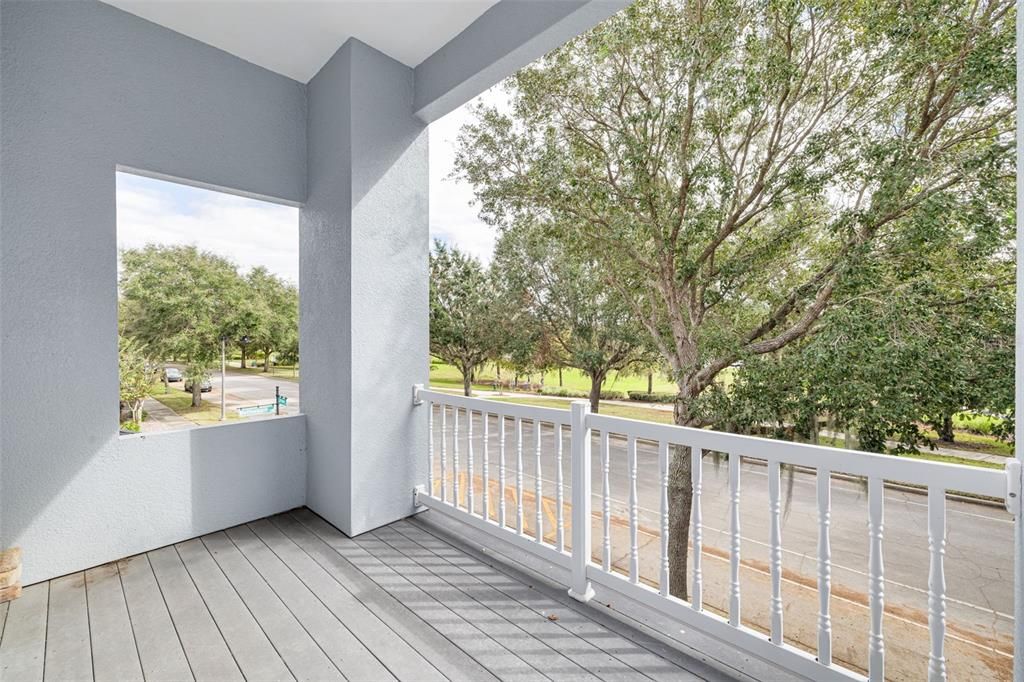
159, 417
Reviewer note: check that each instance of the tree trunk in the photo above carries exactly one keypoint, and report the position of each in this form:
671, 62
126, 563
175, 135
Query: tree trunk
596, 384
243, 357
946, 431
467, 381
680, 501
560, 377
137, 412
197, 393
650, 383
266, 359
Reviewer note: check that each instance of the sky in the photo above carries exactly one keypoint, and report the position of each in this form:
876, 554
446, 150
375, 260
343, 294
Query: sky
247, 231
251, 232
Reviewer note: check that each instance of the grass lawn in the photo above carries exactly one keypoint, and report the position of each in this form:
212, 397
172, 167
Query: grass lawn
646, 414
181, 402
277, 371
446, 375
965, 440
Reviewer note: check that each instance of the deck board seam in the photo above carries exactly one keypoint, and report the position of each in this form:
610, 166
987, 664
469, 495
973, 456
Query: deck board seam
285, 604
88, 620
633, 631
512, 598
354, 634
383, 592
462, 590
246, 605
530, 665
482, 664
46, 630
170, 616
131, 621
213, 618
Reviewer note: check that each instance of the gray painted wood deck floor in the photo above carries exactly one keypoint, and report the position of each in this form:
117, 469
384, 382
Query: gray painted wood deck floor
291, 597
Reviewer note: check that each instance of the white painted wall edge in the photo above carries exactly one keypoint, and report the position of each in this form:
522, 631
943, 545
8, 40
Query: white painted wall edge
505, 38
152, 490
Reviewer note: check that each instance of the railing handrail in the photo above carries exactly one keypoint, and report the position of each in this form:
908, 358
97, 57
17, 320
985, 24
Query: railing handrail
964, 478
824, 461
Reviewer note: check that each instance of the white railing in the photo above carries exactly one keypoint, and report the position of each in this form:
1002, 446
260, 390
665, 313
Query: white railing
579, 559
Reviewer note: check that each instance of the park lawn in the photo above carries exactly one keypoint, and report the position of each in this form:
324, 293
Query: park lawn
647, 414
444, 374
181, 403
282, 372
965, 440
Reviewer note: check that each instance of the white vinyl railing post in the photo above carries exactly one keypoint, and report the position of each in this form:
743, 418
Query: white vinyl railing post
580, 453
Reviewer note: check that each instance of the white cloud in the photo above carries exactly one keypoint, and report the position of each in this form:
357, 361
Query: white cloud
246, 231
453, 211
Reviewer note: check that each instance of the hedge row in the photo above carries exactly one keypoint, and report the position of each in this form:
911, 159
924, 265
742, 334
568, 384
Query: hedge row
644, 397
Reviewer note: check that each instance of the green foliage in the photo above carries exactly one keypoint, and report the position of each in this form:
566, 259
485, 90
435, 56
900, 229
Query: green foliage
644, 397
465, 311
732, 166
578, 320
135, 373
178, 301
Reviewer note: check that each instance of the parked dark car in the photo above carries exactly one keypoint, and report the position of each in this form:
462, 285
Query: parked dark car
204, 387
173, 374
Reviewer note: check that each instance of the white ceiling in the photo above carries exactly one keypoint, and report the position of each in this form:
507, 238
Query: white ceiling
297, 37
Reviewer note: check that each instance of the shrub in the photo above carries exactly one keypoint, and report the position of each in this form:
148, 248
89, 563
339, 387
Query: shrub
644, 397
130, 425
563, 392
973, 422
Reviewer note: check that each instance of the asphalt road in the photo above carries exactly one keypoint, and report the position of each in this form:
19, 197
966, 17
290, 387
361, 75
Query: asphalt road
241, 389
979, 554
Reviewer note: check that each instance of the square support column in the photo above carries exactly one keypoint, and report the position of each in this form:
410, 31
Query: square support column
364, 240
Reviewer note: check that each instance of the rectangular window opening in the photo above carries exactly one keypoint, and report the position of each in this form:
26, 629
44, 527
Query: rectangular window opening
208, 307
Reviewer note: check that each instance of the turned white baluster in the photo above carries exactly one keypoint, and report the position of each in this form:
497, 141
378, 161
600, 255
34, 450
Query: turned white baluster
444, 453
606, 504
634, 514
519, 475
734, 539
663, 585
937, 584
487, 454
697, 520
430, 448
775, 549
876, 580
501, 470
455, 455
824, 566
469, 461
538, 489
559, 494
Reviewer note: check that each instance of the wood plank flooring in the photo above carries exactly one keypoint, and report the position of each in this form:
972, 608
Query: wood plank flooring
291, 597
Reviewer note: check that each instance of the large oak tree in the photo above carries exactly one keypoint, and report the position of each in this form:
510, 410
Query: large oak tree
731, 164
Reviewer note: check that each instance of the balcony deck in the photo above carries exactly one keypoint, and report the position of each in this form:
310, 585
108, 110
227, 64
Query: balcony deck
292, 597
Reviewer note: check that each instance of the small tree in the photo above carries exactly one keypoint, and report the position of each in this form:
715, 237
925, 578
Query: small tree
587, 322
177, 300
462, 311
136, 375
276, 319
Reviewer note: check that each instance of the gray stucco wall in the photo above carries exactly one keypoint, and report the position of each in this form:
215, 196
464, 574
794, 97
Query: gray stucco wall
363, 263
83, 88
